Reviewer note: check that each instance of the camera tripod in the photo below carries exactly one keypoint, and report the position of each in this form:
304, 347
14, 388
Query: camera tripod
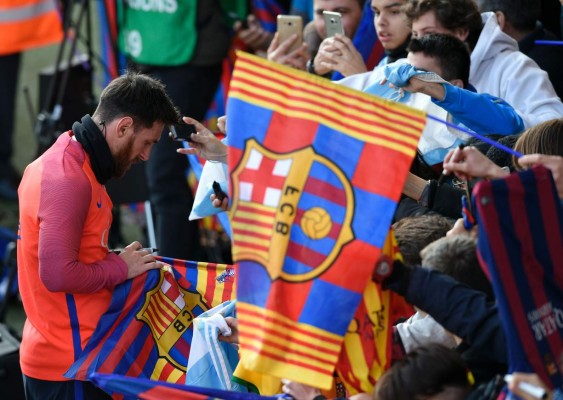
61, 107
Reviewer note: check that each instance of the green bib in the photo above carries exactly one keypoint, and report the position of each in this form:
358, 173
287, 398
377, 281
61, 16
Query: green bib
158, 32
163, 32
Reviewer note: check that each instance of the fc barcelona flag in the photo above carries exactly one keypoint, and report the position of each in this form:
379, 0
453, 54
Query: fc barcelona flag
147, 329
145, 389
316, 171
521, 248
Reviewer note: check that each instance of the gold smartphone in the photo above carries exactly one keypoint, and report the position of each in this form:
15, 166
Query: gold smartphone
287, 26
333, 23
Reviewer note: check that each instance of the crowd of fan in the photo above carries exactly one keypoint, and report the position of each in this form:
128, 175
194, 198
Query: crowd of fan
476, 64
497, 82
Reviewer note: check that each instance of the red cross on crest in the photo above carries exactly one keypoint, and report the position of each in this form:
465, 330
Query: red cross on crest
263, 176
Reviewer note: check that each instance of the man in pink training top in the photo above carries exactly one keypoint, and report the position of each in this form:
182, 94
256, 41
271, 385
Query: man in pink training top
66, 272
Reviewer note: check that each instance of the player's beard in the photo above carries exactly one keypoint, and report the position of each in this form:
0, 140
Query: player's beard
122, 159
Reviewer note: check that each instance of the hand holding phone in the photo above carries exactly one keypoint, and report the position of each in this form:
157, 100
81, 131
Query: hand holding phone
333, 23
181, 131
288, 25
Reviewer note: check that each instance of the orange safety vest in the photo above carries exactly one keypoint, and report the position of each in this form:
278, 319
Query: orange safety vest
25, 24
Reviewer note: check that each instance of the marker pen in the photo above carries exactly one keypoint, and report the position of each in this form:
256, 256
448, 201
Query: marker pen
149, 249
532, 390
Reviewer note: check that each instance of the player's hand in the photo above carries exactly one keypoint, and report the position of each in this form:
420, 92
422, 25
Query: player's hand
138, 261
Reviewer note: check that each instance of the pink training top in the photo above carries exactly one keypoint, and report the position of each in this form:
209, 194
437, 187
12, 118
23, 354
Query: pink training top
66, 273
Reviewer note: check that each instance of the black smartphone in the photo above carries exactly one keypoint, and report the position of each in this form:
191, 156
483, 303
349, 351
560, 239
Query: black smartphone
182, 131
218, 191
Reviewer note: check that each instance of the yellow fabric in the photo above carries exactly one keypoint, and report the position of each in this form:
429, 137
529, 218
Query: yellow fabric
266, 385
307, 351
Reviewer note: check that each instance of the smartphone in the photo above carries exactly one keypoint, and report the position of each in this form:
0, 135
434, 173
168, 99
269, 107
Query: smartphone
287, 26
182, 131
333, 23
219, 194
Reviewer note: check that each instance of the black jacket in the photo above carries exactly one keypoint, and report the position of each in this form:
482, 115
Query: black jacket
465, 312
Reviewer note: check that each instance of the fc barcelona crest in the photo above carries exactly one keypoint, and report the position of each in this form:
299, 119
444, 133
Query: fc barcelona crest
169, 311
291, 212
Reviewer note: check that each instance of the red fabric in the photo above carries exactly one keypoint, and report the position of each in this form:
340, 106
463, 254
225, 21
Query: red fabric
62, 247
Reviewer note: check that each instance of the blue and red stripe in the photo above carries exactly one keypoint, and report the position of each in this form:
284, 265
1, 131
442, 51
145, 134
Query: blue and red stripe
520, 242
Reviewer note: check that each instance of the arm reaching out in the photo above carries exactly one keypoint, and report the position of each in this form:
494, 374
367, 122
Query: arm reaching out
466, 106
470, 163
205, 143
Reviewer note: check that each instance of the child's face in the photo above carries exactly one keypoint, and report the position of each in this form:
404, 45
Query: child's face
391, 24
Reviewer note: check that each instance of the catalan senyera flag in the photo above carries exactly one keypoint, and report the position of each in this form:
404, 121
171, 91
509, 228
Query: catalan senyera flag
316, 171
366, 353
147, 329
145, 389
520, 247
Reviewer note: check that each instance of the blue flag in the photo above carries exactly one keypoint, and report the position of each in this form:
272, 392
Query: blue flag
146, 389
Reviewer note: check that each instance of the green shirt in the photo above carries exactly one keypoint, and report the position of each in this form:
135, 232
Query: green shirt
163, 32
